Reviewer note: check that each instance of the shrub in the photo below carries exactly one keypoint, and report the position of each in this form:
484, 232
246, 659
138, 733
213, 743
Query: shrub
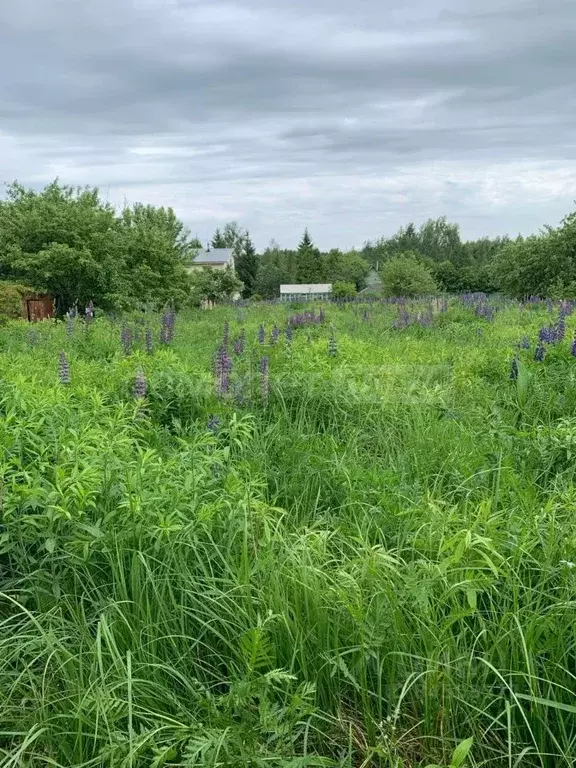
343, 290
406, 276
11, 295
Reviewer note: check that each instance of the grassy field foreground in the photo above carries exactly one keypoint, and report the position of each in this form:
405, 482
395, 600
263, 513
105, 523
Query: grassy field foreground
345, 540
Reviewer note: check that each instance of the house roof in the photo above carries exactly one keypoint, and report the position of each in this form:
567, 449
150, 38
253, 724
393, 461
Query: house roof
307, 288
214, 256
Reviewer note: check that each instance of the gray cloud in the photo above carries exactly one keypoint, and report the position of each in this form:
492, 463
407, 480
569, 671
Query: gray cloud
350, 118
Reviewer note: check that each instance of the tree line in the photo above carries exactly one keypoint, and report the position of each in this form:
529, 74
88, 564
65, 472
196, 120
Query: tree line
70, 242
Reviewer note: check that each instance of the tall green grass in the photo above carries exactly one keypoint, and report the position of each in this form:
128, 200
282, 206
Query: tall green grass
372, 570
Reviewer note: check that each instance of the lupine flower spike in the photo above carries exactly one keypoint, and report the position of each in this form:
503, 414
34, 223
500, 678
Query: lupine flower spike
149, 341
514, 370
63, 369
264, 380
140, 386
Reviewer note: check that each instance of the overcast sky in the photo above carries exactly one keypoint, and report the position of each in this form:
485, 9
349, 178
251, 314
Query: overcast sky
351, 117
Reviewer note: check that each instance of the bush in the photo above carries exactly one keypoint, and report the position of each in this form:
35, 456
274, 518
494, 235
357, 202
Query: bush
11, 295
406, 276
343, 290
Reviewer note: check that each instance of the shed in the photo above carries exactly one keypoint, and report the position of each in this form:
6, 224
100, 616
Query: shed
305, 291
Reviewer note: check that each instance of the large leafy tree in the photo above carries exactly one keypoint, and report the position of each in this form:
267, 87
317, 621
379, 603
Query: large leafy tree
156, 248
69, 242
63, 240
543, 264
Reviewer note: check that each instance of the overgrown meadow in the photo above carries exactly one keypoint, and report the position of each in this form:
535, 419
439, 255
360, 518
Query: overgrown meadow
340, 535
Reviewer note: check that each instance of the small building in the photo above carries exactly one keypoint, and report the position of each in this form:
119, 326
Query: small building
21, 301
373, 284
305, 291
216, 258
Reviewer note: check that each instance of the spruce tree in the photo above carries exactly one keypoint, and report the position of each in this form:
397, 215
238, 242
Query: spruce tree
247, 265
310, 268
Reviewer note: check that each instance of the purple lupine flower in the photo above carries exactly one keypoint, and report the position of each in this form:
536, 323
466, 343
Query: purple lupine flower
149, 340
261, 334
289, 334
69, 323
126, 339
525, 343
238, 394
540, 353
140, 385
226, 334
573, 348
274, 334
223, 367
213, 423
320, 315
332, 346
560, 328
514, 370
63, 369
240, 343
167, 329
264, 380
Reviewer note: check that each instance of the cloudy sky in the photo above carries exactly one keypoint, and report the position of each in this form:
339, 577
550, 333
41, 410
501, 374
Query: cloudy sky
351, 117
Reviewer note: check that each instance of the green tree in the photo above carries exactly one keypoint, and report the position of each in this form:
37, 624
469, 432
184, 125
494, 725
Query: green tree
310, 268
63, 240
406, 276
343, 290
214, 284
247, 265
347, 267
218, 240
156, 248
543, 265
67, 241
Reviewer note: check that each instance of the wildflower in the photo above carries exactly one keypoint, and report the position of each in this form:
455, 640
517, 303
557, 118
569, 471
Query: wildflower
32, 338
540, 353
223, 366
261, 334
321, 315
140, 386
514, 370
126, 339
63, 369
167, 329
226, 334
289, 334
365, 316
332, 346
525, 343
274, 335
149, 341
264, 380
573, 348
69, 323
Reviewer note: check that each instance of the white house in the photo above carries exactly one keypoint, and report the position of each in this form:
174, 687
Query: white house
305, 291
216, 258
